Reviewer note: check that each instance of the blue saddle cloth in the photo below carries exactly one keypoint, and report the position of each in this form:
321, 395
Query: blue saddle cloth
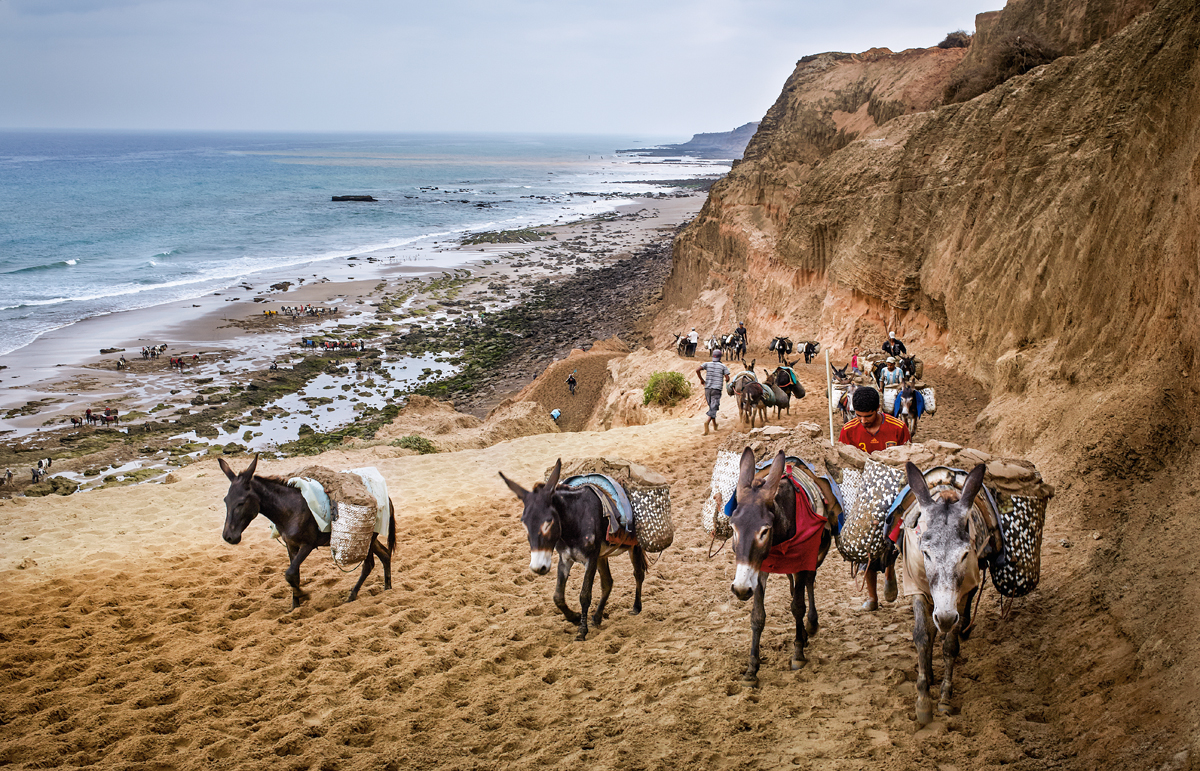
612, 496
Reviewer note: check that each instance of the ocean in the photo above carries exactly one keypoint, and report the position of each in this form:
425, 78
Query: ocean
98, 222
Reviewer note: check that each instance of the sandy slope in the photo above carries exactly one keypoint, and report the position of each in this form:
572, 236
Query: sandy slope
140, 639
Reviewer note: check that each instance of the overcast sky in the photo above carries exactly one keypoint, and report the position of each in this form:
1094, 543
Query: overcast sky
662, 67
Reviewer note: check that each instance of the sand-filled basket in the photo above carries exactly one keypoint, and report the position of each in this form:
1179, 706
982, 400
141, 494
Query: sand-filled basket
351, 529
724, 482
354, 513
648, 491
867, 495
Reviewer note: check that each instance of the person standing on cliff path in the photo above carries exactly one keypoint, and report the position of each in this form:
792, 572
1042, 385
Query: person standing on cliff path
712, 375
693, 339
742, 332
894, 347
871, 431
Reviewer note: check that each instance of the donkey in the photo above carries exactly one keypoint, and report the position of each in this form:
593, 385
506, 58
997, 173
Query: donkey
951, 560
907, 408
250, 496
572, 522
908, 364
811, 349
781, 346
752, 402
766, 517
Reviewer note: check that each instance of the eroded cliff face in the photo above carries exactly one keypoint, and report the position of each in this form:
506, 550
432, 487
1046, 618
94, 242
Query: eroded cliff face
1044, 238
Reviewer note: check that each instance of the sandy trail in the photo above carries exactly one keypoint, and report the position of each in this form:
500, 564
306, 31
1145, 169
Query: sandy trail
140, 639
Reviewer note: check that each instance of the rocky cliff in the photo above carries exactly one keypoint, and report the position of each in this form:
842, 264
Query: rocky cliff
1043, 238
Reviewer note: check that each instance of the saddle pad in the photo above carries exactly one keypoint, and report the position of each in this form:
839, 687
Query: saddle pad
918, 404
801, 551
317, 500
615, 503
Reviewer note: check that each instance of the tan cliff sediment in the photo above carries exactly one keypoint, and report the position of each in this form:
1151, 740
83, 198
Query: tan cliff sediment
1043, 238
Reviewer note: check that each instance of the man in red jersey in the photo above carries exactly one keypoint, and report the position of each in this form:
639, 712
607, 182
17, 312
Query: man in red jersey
870, 431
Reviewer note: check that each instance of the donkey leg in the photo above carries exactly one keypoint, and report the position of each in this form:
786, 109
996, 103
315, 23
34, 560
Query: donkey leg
923, 638
293, 573
385, 559
797, 582
368, 566
949, 654
585, 596
758, 620
811, 624
560, 589
639, 574
606, 585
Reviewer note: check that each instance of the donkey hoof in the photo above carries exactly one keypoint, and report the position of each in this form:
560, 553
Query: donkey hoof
890, 591
581, 637
635, 611
750, 677
870, 605
798, 664
924, 711
944, 707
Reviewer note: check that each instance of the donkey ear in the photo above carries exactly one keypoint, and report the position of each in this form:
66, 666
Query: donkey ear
972, 486
249, 472
552, 482
916, 483
519, 491
228, 471
746, 474
774, 476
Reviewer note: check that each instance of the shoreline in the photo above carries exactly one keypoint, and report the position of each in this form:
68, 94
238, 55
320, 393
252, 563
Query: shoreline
380, 300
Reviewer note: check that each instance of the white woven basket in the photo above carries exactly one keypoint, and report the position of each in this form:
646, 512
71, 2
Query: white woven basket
351, 532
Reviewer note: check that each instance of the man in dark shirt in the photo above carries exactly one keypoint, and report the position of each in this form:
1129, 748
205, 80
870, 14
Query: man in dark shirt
871, 431
894, 347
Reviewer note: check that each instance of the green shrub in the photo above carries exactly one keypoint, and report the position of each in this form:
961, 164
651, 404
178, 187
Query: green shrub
666, 389
414, 442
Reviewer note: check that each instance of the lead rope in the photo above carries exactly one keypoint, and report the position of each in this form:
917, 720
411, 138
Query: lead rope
713, 540
978, 597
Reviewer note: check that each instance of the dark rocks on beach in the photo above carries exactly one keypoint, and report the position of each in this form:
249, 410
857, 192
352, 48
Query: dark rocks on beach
511, 347
367, 198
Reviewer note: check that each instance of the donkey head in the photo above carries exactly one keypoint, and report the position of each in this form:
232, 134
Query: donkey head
945, 541
539, 518
753, 521
840, 374
241, 502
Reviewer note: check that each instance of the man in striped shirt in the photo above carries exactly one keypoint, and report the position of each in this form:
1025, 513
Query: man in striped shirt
712, 374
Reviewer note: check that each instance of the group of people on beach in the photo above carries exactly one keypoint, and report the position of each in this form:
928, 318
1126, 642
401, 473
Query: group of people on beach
333, 345
305, 310
38, 472
153, 351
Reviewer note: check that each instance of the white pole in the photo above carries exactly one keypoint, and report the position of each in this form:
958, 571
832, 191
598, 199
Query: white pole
829, 397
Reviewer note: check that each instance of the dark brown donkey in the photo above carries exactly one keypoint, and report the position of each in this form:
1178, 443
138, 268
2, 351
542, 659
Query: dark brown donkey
250, 496
765, 517
572, 522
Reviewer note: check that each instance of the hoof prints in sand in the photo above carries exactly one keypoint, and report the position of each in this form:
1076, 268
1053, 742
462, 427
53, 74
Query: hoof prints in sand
194, 661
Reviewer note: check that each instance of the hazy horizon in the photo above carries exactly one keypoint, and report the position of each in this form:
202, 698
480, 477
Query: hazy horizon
461, 66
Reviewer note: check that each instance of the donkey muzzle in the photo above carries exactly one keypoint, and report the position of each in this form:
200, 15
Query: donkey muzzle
233, 538
945, 620
745, 581
539, 561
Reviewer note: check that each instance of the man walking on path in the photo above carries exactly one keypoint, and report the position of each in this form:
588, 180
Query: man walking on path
693, 339
871, 431
712, 375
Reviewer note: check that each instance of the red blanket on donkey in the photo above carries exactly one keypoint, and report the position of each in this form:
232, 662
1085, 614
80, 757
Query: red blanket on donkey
800, 551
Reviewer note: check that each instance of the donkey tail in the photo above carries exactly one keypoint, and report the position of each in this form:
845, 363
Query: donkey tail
392, 527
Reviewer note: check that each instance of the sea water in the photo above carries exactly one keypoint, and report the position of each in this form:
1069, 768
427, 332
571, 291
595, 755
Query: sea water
98, 222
